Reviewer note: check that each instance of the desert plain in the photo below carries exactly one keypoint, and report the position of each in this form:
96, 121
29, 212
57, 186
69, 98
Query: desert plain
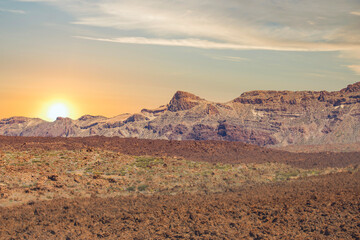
115, 188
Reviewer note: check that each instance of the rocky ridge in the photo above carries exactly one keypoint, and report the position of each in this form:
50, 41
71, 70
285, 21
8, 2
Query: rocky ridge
258, 117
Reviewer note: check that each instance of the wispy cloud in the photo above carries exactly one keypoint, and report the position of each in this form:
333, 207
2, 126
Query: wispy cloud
355, 13
189, 42
355, 68
352, 54
229, 58
206, 44
12, 11
236, 24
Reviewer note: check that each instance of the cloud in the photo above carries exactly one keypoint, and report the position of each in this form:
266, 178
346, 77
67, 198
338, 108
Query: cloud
206, 44
190, 42
229, 58
355, 68
285, 25
355, 13
12, 11
353, 54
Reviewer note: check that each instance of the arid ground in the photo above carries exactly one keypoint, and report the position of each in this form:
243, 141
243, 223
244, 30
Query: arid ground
113, 188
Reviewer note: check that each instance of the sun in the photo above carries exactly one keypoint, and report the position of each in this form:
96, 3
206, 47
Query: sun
57, 110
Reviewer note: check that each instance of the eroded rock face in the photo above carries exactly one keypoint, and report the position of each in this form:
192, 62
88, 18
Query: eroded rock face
351, 88
183, 101
256, 117
136, 118
13, 120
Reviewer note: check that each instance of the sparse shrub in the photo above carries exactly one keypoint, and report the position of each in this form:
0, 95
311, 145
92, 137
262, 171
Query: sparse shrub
147, 162
286, 175
142, 188
130, 189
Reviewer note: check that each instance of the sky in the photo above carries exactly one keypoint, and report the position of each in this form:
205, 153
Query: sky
107, 57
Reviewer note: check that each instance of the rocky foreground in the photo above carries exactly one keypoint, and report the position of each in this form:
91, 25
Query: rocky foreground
325, 207
116, 188
276, 118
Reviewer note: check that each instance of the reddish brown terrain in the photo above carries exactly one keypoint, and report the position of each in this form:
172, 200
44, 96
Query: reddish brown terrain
318, 208
209, 151
339, 147
115, 188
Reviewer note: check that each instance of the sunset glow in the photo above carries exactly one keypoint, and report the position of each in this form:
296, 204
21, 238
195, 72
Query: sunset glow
57, 110
114, 56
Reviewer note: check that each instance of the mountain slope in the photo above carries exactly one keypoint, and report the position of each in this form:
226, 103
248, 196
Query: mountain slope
257, 117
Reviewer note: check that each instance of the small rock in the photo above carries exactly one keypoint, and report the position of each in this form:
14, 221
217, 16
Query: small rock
53, 177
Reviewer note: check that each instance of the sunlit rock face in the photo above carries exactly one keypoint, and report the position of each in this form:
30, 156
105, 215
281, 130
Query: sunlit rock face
257, 117
183, 101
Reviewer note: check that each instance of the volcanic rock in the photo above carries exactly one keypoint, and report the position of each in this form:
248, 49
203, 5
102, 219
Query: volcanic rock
258, 117
183, 101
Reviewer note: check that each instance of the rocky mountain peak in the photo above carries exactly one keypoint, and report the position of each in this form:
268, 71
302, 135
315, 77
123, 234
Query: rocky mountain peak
256, 117
183, 101
351, 88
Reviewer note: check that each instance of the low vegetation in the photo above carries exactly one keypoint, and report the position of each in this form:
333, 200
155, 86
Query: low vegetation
41, 175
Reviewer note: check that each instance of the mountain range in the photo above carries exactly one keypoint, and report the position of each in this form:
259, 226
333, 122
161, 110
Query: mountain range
264, 118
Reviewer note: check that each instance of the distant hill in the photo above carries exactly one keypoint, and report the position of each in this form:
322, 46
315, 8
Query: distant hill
277, 118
